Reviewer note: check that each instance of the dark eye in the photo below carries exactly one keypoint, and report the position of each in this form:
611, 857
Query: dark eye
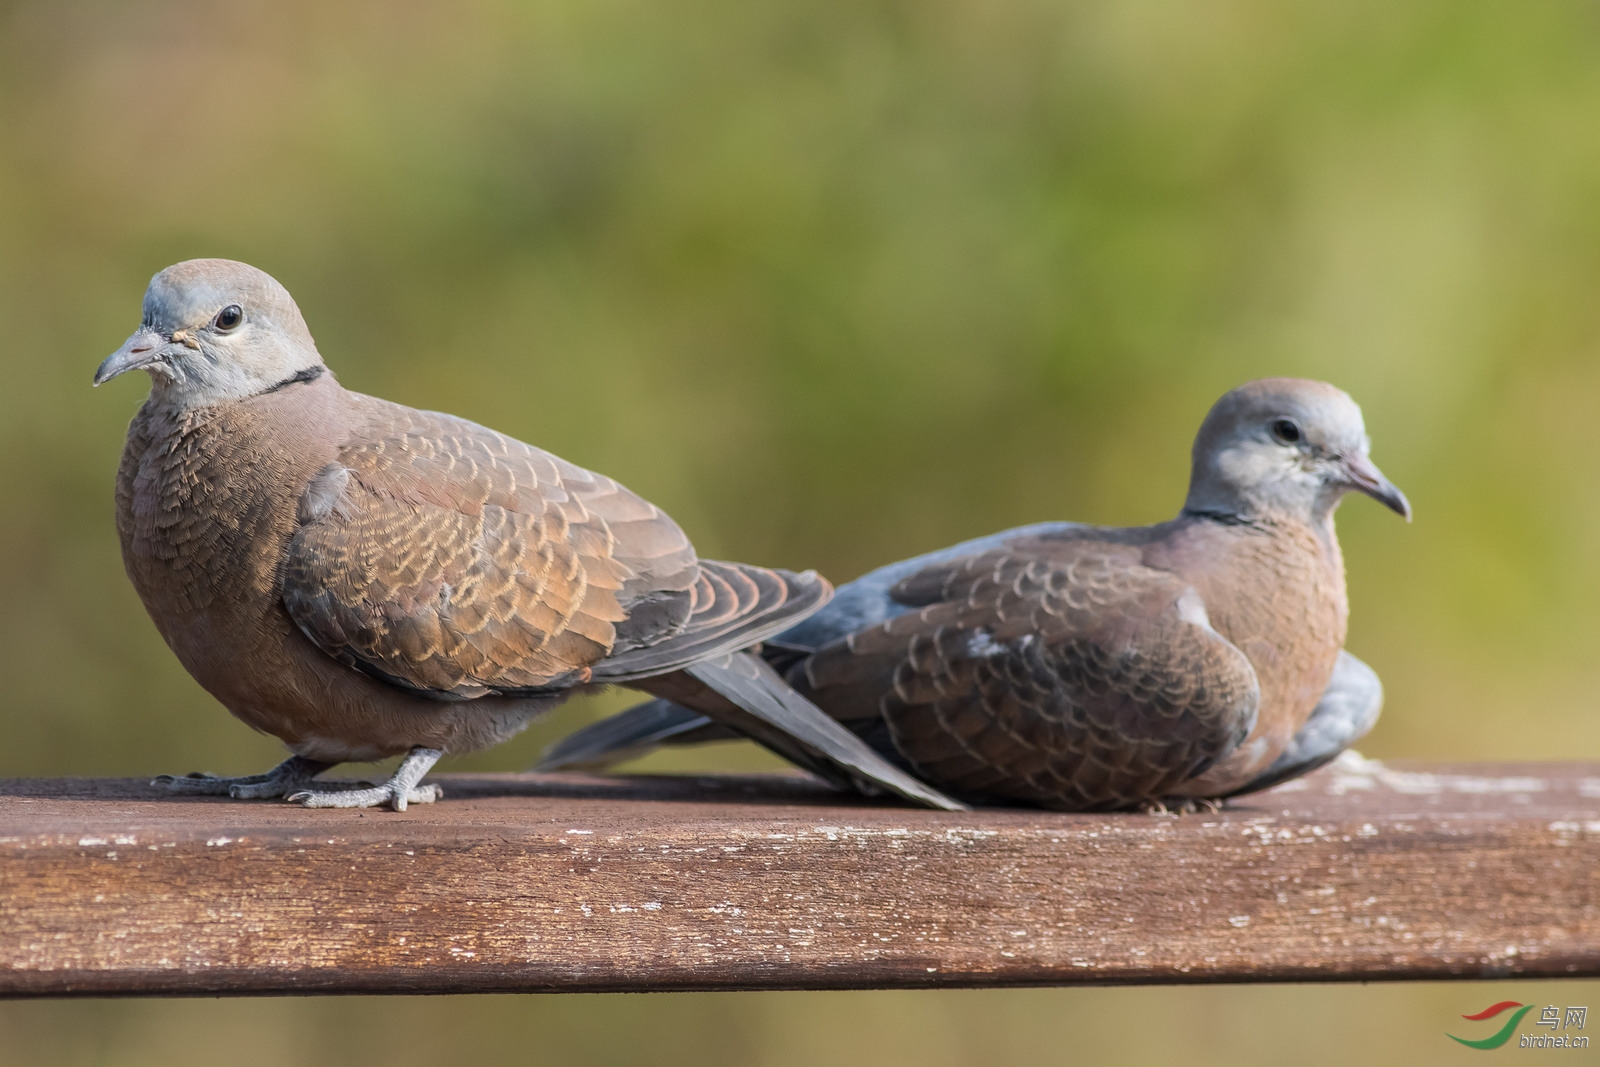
1286, 431
229, 317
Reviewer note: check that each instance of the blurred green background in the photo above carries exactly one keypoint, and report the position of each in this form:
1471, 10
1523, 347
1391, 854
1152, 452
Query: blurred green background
834, 283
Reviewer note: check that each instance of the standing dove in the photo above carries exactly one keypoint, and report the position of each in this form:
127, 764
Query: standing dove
364, 580
1097, 668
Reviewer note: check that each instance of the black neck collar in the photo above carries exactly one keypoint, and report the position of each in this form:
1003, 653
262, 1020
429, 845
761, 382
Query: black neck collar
310, 374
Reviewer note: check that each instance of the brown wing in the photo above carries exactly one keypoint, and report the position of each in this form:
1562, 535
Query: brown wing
1063, 673
442, 556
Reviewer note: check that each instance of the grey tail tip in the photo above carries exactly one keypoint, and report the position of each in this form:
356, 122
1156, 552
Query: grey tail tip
635, 732
753, 686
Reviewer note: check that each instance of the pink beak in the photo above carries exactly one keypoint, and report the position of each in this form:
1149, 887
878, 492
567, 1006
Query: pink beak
1364, 476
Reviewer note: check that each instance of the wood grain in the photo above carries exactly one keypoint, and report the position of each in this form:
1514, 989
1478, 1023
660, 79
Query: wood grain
565, 882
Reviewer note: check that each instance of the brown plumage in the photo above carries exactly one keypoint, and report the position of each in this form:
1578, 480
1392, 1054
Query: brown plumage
1090, 667
361, 579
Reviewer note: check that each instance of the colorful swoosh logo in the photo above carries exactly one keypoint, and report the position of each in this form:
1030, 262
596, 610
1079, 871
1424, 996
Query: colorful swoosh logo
1505, 1031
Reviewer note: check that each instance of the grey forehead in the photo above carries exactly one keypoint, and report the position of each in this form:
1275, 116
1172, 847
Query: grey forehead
1324, 413
182, 294
866, 601
1334, 417
180, 304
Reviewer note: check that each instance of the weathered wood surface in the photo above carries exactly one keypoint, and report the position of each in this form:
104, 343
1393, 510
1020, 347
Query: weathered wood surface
563, 882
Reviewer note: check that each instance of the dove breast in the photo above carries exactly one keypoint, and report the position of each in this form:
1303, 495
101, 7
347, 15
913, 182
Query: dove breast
1276, 591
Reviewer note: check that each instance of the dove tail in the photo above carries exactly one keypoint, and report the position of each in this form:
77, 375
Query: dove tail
764, 708
739, 695
627, 734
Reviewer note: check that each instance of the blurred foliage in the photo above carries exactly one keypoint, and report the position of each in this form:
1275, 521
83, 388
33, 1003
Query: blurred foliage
834, 283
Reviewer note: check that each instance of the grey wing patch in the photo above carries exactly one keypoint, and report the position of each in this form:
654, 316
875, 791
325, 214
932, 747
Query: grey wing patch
1348, 710
325, 495
868, 600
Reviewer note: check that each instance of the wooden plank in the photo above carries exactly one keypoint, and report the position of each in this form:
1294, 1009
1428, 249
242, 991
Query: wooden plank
565, 882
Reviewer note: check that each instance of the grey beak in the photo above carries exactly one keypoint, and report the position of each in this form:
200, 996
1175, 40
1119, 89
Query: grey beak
1364, 476
144, 349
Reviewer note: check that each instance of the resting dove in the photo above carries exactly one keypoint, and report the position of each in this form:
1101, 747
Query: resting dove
1096, 668
364, 580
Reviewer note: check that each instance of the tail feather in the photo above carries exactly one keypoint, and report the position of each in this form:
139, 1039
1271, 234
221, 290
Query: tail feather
631, 733
798, 730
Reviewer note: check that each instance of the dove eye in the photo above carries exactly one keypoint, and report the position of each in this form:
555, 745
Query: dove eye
1286, 431
229, 317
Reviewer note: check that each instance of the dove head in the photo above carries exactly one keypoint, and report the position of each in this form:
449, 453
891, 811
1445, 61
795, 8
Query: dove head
215, 330
1284, 448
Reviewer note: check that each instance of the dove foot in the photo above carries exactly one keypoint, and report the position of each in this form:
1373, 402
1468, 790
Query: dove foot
286, 777
1181, 806
400, 790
